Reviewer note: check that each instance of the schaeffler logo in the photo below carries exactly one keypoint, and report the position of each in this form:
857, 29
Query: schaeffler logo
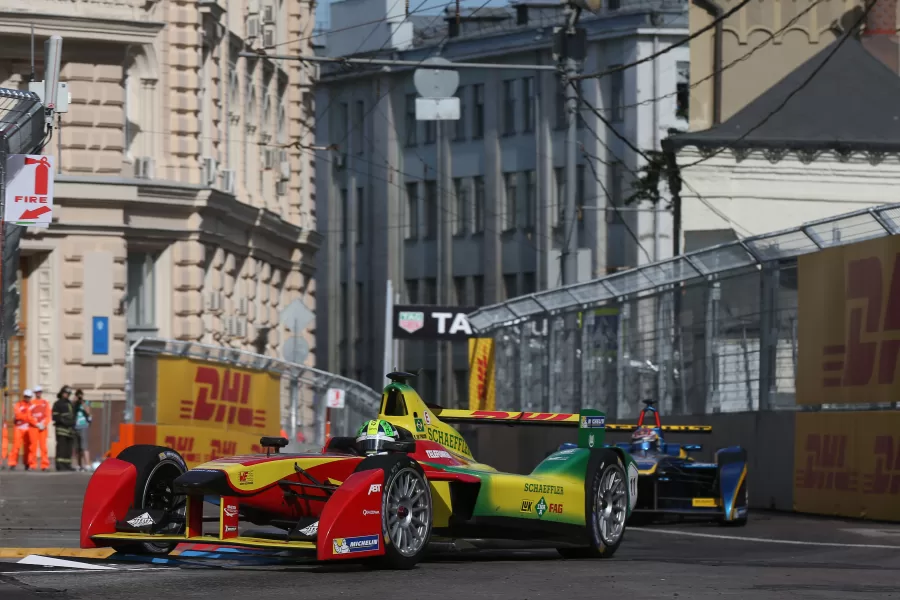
223, 396
869, 318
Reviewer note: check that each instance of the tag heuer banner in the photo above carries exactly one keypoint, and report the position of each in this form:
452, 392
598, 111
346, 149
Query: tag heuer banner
430, 322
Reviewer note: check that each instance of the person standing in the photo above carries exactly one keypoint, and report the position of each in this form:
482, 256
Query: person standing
37, 433
22, 422
82, 422
64, 420
4, 433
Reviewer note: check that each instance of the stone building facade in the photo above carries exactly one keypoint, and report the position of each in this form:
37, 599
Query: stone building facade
182, 210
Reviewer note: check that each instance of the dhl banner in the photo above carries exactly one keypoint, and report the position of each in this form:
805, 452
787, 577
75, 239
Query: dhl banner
482, 394
849, 324
848, 464
206, 410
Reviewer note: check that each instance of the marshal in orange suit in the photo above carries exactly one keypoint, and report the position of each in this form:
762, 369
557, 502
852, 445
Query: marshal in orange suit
22, 422
37, 433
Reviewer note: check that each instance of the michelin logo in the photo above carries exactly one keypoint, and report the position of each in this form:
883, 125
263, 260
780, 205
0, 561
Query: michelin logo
598, 422
356, 544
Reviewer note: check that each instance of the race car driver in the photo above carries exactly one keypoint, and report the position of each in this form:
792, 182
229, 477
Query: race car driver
371, 437
646, 440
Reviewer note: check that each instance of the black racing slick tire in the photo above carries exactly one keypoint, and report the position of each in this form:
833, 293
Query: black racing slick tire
157, 468
606, 507
406, 510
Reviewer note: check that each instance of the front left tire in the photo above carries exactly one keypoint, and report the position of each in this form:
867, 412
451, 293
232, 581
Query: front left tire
606, 509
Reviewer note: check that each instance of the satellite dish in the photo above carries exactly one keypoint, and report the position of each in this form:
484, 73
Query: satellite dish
588, 5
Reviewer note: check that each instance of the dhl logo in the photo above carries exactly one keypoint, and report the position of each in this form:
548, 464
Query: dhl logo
886, 477
522, 416
868, 318
223, 396
184, 446
826, 464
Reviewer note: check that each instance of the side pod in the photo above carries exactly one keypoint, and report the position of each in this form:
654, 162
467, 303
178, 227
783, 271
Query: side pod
350, 523
109, 495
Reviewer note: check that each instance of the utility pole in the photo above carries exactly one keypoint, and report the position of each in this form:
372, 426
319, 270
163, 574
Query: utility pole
570, 44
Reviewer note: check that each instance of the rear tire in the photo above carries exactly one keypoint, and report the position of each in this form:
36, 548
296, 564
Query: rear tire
606, 510
157, 468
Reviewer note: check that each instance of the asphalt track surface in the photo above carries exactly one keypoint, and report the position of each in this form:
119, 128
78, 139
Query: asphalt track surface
775, 556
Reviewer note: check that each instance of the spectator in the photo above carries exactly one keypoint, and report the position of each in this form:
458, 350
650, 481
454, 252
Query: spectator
40, 428
82, 422
64, 419
22, 421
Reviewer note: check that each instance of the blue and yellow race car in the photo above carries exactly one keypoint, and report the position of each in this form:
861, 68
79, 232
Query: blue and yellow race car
670, 482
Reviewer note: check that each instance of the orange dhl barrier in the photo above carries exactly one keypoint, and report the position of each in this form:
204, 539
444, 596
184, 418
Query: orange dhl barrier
206, 410
848, 464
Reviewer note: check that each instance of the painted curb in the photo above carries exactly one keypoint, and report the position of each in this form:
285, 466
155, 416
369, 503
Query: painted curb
69, 552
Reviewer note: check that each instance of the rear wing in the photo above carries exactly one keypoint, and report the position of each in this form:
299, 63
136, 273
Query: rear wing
448, 415
664, 428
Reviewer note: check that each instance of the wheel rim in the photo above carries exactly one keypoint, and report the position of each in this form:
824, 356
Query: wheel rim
407, 512
611, 507
159, 494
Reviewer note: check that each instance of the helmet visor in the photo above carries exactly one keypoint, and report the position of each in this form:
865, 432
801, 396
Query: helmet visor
372, 444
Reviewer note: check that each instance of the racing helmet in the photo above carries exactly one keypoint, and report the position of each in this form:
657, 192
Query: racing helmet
372, 436
646, 438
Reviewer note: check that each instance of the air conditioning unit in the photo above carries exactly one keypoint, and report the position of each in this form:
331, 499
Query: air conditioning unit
252, 27
240, 327
253, 7
242, 306
209, 168
269, 14
214, 302
143, 167
281, 188
285, 168
228, 327
269, 155
268, 37
228, 181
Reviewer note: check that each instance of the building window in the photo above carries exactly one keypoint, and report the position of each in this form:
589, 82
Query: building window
529, 285
412, 210
359, 117
461, 194
683, 90
412, 291
528, 104
459, 128
344, 344
614, 185
509, 107
617, 94
478, 290
560, 104
530, 198
459, 289
431, 209
509, 209
430, 131
340, 124
345, 218
360, 215
412, 124
509, 286
360, 313
478, 205
478, 111
141, 292
430, 291
461, 384
560, 198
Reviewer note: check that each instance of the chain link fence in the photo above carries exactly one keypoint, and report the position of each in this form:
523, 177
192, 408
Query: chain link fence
712, 331
303, 389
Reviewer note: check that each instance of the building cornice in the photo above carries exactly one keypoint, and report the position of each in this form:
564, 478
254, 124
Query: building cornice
80, 27
720, 157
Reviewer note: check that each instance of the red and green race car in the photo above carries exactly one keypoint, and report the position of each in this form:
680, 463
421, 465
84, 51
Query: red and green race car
407, 479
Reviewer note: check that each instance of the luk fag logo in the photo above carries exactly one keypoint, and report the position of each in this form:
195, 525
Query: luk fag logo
869, 318
225, 400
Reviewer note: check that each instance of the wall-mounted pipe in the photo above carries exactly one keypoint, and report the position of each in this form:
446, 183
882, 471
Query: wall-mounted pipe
716, 12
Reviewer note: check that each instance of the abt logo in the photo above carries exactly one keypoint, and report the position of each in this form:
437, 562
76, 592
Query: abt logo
826, 464
869, 318
375, 488
886, 477
225, 399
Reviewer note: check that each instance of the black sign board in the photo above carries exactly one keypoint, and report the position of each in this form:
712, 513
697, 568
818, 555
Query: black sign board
430, 322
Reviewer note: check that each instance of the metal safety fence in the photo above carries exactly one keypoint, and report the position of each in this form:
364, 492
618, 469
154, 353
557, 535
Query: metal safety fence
711, 331
302, 396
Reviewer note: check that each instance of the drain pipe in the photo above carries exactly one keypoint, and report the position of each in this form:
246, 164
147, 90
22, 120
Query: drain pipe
716, 12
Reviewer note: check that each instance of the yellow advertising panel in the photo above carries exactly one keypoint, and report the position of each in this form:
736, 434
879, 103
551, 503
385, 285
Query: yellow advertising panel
849, 324
482, 394
848, 464
206, 409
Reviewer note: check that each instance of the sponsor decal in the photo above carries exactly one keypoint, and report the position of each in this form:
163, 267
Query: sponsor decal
537, 488
311, 530
223, 396
593, 422
527, 506
375, 488
245, 478
438, 454
562, 454
411, 321
705, 502
420, 436
350, 545
541, 507
142, 521
230, 510
420, 426
449, 441
367, 513
427, 417
556, 509
591, 441
230, 528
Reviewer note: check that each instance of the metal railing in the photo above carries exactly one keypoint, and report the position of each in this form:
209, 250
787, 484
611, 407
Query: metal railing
303, 388
709, 331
